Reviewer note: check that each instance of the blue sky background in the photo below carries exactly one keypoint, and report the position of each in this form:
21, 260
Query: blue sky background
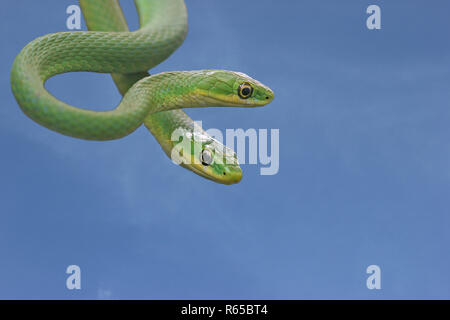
364, 119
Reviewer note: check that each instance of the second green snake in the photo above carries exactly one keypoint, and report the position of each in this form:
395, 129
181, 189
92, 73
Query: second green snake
153, 100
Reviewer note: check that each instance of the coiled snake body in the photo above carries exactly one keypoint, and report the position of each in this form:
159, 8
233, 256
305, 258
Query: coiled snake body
154, 100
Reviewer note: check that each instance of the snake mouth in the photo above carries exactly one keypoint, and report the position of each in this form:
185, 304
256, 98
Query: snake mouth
227, 179
234, 100
242, 104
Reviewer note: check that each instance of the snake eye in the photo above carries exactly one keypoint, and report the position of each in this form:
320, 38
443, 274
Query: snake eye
245, 90
206, 157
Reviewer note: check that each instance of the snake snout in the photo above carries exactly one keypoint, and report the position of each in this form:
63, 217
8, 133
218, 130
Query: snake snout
269, 95
232, 175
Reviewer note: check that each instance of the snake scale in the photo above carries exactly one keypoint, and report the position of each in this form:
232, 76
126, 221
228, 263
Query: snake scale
155, 101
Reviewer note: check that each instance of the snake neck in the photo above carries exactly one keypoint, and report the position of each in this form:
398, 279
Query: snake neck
168, 91
163, 95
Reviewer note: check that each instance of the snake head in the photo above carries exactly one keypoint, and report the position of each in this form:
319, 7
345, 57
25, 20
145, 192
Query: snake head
207, 157
231, 89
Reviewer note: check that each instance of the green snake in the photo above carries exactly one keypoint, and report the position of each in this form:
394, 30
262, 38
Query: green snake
155, 101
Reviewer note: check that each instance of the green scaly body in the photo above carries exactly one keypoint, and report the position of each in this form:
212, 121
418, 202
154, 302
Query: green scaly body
154, 100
